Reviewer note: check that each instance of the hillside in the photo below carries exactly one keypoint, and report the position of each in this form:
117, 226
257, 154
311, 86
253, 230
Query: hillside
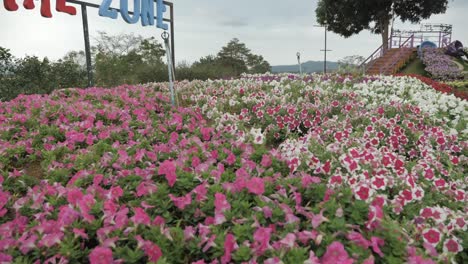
307, 67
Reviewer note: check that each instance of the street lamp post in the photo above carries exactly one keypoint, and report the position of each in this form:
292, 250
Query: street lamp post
299, 62
324, 50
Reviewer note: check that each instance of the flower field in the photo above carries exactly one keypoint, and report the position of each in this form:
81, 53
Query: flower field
263, 169
440, 65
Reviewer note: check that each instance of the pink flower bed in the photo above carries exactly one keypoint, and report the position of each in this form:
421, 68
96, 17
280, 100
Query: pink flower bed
118, 176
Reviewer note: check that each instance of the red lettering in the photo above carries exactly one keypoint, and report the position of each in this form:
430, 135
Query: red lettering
28, 4
62, 7
10, 5
45, 8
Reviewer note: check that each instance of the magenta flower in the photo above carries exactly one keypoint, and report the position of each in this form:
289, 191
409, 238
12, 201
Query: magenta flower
181, 202
140, 217
431, 236
262, 240
153, 251
168, 169
312, 259
358, 239
145, 188
376, 244
452, 245
206, 133
101, 255
27, 244
229, 246
318, 219
288, 241
266, 161
256, 186
201, 192
336, 254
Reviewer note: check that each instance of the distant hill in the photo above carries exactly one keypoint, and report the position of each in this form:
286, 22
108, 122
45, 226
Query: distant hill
307, 67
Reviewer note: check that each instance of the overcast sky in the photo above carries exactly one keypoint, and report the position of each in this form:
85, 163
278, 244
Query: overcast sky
272, 28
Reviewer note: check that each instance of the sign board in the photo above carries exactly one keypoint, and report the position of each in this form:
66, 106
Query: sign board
144, 10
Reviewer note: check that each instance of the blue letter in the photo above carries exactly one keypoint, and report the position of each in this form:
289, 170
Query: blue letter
124, 11
106, 11
160, 10
147, 12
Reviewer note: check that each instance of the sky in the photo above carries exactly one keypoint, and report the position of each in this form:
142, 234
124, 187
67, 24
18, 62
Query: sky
274, 29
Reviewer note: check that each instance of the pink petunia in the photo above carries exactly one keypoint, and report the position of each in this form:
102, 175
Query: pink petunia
256, 186
336, 254
305, 236
168, 169
452, 245
288, 241
80, 233
153, 251
101, 255
312, 259
49, 240
432, 236
221, 203
229, 246
181, 202
318, 219
140, 217
74, 195
262, 240
145, 188
376, 244
206, 133
27, 244
363, 192
4, 258
200, 192
266, 161
369, 260
358, 239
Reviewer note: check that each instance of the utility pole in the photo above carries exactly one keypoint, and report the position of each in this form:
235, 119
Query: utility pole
325, 50
299, 62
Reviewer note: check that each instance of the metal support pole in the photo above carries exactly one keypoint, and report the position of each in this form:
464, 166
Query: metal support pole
84, 16
170, 67
325, 60
172, 34
325, 50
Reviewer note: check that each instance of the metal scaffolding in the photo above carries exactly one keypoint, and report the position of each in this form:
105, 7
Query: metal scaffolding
440, 34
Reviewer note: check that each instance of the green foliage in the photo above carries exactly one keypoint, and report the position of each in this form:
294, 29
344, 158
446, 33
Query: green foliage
119, 59
231, 61
128, 59
350, 65
34, 75
349, 17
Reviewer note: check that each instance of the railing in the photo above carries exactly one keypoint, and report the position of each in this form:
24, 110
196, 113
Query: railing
369, 62
396, 61
373, 57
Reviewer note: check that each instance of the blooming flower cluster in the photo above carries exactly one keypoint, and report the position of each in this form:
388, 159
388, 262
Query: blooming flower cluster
456, 88
440, 65
264, 169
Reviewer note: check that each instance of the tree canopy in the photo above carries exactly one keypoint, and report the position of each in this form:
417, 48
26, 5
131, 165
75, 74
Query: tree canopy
349, 17
237, 56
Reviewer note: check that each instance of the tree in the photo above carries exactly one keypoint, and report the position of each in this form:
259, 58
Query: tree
238, 57
257, 64
350, 64
349, 17
128, 59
